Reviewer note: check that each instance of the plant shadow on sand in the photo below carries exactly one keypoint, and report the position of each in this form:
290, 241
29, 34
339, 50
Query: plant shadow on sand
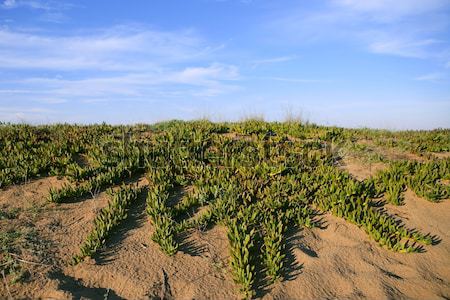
192, 246
435, 239
78, 290
292, 268
136, 218
189, 245
93, 194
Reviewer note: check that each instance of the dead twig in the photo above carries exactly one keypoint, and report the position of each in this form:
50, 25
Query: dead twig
76, 221
18, 258
6, 285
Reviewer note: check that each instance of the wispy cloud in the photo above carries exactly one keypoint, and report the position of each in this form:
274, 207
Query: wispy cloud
124, 62
387, 11
406, 47
117, 48
407, 28
246, 2
50, 11
49, 5
272, 60
206, 75
207, 81
11, 4
21, 114
432, 77
296, 80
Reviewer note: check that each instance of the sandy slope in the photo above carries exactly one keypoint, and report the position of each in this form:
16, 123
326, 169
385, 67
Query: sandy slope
338, 261
341, 262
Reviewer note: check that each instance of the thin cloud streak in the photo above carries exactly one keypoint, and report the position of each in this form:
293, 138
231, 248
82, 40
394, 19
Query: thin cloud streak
297, 80
389, 27
387, 11
47, 11
118, 48
192, 81
128, 61
273, 60
11, 4
432, 77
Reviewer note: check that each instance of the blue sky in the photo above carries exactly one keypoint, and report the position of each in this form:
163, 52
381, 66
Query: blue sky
350, 63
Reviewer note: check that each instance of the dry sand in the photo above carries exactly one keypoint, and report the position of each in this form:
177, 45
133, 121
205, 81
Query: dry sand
335, 262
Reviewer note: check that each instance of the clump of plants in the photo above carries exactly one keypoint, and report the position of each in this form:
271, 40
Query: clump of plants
160, 214
107, 220
241, 238
273, 255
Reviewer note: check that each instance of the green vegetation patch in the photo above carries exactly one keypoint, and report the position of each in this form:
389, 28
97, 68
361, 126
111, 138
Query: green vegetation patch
256, 178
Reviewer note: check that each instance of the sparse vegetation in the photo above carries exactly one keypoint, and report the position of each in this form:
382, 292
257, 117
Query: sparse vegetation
9, 241
254, 177
8, 214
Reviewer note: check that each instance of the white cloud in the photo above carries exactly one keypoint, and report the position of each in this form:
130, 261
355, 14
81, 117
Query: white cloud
391, 10
297, 80
123, 63
52, 11
118, 48
404, 47
272, 60
206, 75
21, 114
27, 110
408, 28
432, 77
166, 83
49, 5
9, 4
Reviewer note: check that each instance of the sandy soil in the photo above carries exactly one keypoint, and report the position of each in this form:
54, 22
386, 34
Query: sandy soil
341, 262
359, 169
337, 261
393, 153
441, 155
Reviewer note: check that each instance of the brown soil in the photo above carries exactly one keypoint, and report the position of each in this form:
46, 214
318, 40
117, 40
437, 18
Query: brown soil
338, 261
441, 155
392, 153
359, 169
341, 262
238, 136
